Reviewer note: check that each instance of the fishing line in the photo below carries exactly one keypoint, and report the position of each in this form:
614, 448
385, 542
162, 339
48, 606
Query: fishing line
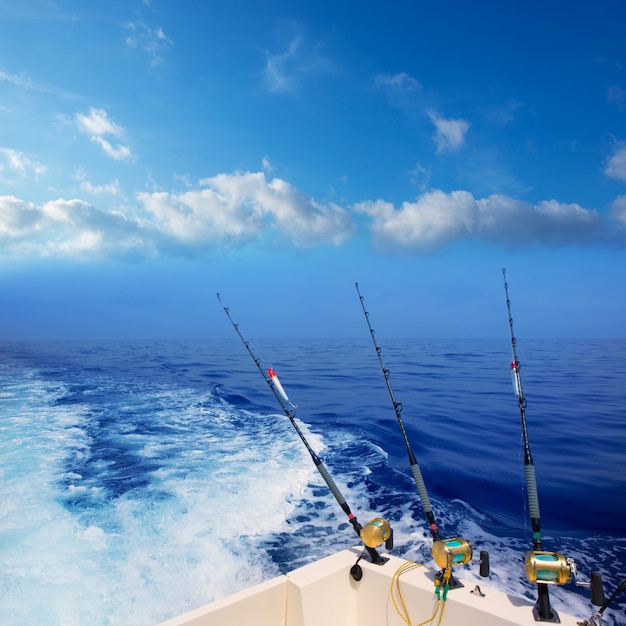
375, 532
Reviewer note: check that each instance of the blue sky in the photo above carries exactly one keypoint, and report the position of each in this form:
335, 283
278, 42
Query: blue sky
155, 152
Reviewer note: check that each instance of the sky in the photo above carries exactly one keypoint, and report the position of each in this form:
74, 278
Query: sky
156, 152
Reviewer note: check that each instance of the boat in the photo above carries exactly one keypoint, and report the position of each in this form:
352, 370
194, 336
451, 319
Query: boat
361, 587
328, 593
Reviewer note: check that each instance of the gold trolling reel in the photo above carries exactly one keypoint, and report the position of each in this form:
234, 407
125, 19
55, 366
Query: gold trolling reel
451, 552
373, 534
551, 568
448, 553
377, 532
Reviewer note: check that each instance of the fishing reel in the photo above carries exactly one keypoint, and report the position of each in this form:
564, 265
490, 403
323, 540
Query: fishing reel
552, 568
373, 534
377, 532
448, 553
451, 552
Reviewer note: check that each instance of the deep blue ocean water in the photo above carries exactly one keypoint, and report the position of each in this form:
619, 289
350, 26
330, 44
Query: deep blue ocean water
143, 479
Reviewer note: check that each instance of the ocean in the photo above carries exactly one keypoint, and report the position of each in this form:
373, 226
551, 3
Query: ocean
142, 479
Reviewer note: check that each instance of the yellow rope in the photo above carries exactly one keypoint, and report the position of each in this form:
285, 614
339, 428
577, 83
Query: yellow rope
395, 587
447, 574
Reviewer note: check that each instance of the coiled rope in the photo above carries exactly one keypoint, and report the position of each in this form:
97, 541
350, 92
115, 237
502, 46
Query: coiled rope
400, 605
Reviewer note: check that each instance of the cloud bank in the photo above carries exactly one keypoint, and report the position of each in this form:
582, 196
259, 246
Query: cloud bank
228, 210
437, 219
67, 228
235, 210
240, 208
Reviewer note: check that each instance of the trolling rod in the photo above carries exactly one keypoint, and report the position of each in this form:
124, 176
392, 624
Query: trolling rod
446, 552
541, 567
397, 407
529, 466
375, 532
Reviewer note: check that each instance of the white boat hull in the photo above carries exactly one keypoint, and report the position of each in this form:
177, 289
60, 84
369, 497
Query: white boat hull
324, 594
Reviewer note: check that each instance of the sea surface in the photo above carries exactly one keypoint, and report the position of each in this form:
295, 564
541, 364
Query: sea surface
142, 479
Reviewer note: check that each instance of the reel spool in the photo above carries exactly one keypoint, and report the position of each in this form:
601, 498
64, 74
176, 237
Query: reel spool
452, 552
547, 567
376, 532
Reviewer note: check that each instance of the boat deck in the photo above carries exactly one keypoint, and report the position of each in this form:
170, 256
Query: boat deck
324, 594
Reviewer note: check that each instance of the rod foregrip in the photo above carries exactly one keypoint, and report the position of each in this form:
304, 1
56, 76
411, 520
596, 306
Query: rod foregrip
531, 491
321, 468
421, 488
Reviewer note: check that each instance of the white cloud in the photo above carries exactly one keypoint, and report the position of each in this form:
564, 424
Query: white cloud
400, 81
281, 68
245, 207
68, 228
18, 219
403, 92
420, 176
108, 189
284, 70
119, 152
20, 80
18, 165
230, 209
449, 133
618, 211
267, 165
152, 40
406, 93
616, 164
97, 125
185, 179
437, 218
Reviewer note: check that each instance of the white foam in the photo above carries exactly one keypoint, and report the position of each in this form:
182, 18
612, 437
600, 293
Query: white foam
186, 539
226, 489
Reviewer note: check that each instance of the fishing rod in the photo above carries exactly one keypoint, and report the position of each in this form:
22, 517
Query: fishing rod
397, 407
596, 617
446, 552
541, 567
372, 534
